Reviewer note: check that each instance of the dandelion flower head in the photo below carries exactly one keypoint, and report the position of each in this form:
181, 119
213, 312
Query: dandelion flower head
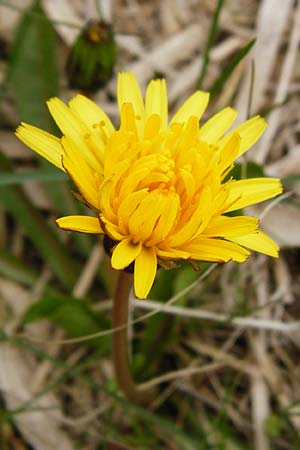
158, 189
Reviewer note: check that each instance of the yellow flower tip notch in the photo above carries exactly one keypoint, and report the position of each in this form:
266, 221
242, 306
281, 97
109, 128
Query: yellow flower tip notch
159, 187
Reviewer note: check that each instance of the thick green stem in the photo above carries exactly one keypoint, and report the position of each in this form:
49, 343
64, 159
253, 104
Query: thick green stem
120, 341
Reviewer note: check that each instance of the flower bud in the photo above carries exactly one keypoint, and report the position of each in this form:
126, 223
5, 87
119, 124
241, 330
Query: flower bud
91, 60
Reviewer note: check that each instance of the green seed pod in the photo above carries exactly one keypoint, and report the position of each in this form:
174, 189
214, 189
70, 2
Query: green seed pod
91, 60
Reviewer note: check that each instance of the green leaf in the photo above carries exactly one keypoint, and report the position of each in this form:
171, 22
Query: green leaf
75, 316
33, 72
230, 67
43, 309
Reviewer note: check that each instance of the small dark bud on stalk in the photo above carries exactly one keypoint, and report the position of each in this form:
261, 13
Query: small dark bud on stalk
91, 60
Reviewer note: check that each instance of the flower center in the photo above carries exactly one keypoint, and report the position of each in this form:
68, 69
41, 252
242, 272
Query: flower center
153, 183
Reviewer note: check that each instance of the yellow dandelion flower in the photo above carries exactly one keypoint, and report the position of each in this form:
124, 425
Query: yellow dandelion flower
159, 188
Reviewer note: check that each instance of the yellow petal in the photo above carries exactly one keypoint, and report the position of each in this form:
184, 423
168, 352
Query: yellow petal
216, 126
128, 206
194, 224
228, 152
83, 224
223, 226
43, 143
75, 129
111, 229
128, 119
260, 242
80, 172
152, 126
195, 105
115, 159
133, 180
125, 253
172, 253
167, 219
65, 119
189, 184
251, 191
249, 131
90, 113
216, 250
145, 267
157, 102
129, 92
145, 217
105, 196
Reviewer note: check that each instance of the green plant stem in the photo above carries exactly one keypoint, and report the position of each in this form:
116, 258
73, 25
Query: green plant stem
120, 342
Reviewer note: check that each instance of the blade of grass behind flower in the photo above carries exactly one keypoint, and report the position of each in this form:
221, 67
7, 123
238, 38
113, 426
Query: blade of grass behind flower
250, 97
230, 67
43, 237
211, 39
8, 179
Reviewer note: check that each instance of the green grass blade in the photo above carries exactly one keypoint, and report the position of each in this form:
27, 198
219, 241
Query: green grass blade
8, 179
230, 67
43, 237
251, 87
211, 39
